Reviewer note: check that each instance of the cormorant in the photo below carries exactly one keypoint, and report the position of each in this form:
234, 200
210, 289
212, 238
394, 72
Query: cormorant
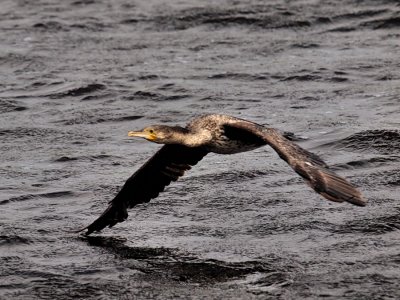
184, 147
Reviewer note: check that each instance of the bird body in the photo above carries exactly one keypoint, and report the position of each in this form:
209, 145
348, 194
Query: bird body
215, 137
222, 134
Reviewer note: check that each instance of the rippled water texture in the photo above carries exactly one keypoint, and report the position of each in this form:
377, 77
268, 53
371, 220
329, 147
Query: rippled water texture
77, 75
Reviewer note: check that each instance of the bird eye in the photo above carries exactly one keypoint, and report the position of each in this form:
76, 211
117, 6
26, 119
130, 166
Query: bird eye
151, 130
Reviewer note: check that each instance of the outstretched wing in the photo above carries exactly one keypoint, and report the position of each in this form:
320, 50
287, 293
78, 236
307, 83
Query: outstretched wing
167, 165
308, 165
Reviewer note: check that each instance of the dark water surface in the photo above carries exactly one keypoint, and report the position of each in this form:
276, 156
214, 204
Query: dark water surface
77, 75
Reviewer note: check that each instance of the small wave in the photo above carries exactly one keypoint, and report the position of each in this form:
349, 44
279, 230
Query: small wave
265, 16
57, 194
96, 118
22, 132
367, 13
54, 26
232, 176
312, 77
262, 16
238, 76
83, 2
354, 20
278, 227
147, 95
305, 45
127, 118
28, 137
80, 91
384, 141
50, 26
48, 285
305, 77
345, 28
372, 162
150, 77
99, 96
90, 26
9, 240
377, 225
388, 77
132, 21
386, 23
270, 282
41, 88
9, 106
65, 158
83, 158
385, 178
14, 63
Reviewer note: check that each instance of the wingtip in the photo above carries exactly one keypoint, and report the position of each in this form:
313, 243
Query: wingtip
359, 201
89, 230
76, 230
337, 189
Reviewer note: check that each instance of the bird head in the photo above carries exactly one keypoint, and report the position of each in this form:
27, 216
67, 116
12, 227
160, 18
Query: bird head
160, 134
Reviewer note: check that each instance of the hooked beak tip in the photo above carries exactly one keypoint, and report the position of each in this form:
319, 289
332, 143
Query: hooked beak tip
136, 134
141, 134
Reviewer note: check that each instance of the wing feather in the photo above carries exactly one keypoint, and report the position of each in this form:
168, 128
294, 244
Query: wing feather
308, 165
167, 165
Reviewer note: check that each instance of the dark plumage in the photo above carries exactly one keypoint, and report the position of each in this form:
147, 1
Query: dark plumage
184, 147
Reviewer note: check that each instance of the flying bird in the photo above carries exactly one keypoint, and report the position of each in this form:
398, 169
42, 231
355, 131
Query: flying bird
186, 146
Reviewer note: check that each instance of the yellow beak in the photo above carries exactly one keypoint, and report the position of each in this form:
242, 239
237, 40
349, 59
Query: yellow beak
146, 135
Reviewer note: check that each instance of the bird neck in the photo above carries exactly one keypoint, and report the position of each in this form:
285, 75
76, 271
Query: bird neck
193, 138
